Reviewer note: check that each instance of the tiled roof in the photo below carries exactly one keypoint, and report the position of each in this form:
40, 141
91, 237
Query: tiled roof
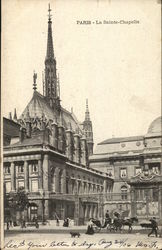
29, 142
10, 127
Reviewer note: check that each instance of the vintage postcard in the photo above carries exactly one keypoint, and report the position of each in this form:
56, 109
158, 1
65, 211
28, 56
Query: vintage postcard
81, 124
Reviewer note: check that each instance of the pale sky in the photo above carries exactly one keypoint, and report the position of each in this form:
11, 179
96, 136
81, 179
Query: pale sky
116, 66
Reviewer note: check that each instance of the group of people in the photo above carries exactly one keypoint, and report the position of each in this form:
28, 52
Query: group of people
90, 229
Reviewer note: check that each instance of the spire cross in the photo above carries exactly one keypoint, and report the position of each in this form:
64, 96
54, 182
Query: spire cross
34, 77
49, 10
34, 81
87, 103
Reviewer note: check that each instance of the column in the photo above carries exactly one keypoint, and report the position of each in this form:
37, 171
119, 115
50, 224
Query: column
95, 212
161, 166
63, 181
86, 212
70, 146
77, 148
45, 173
55, 135
54, 182
133, 202
26, 176
90, 211
86, 187
57, 180
70, 186
105, 186
46, 209
75, 187
40, 175
81, 187
76, 211
62, 210
83, 155
13, 177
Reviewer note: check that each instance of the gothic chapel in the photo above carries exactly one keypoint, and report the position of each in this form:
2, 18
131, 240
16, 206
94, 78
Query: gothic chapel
48, 154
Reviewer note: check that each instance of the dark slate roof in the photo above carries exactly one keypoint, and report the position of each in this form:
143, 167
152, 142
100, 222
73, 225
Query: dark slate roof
122, 139
10, 127
29, 142
38, 105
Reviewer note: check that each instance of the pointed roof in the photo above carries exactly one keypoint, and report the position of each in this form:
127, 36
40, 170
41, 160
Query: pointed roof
50, 50
38, 106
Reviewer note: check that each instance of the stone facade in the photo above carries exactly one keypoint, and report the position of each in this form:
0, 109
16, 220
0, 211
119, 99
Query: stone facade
52, 181
135, 164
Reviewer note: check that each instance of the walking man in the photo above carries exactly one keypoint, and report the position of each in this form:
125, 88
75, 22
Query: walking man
154, 226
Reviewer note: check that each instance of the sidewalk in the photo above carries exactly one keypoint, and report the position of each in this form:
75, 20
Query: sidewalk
51, 228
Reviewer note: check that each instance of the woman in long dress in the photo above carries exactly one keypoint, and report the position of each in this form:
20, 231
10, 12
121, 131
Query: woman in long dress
90, 229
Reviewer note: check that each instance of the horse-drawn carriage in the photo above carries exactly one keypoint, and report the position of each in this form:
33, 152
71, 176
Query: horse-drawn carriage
115, 225
108, 225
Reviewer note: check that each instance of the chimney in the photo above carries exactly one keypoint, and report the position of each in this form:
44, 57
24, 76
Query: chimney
10, 116
15, 115
28, 129
22, 134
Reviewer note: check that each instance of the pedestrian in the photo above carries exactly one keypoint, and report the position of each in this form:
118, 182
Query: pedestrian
24, 223
65, 224
90, 229
10, 222
107, 216
8, 225
36, 223
68, 221
57, 222
154, 226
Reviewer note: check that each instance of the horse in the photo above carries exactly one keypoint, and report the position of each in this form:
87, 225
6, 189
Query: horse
119, 223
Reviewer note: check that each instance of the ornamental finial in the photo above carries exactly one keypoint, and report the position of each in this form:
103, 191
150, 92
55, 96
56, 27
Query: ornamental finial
49, 10
34, 81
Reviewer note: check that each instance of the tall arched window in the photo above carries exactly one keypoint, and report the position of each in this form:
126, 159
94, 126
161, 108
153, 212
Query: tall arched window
124, 192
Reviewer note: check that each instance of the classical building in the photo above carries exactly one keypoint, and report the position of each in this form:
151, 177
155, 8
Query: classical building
135, 163
46, 151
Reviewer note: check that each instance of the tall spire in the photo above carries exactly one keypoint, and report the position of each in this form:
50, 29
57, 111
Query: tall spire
87, 126
51, 81
87, 116
50, 51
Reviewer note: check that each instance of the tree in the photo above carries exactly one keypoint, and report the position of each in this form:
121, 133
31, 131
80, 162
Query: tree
20, 199
15, 203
